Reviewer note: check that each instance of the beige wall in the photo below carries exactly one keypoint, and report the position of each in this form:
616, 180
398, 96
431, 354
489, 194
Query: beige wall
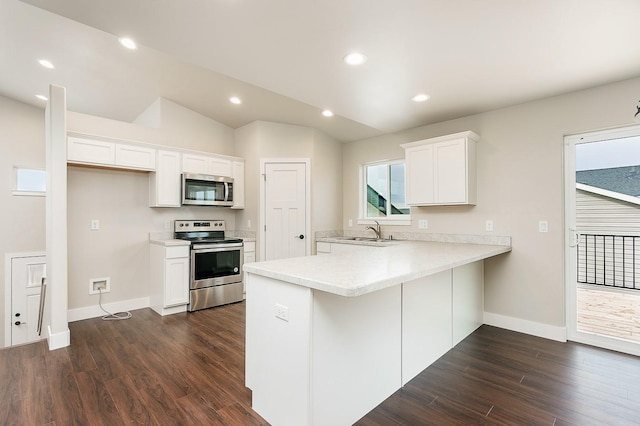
22, 219
520, 181
267, 140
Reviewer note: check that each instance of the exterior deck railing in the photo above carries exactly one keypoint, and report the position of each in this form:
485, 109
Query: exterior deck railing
609, 260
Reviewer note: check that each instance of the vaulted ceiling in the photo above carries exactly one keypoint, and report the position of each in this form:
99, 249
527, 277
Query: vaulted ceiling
284, 58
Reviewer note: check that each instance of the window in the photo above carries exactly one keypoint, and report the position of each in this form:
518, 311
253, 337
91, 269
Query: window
383, 192
30, 182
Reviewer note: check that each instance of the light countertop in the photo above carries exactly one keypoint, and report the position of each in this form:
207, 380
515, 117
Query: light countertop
358, 273
169, 242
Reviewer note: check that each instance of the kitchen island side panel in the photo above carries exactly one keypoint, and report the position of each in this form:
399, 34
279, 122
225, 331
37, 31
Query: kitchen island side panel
356, 354
278, 351
426, 322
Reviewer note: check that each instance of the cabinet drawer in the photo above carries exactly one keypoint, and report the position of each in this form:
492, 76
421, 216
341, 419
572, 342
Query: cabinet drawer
174, 252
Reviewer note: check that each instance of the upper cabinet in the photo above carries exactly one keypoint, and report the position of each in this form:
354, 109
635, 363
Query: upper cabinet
165, 183
206, 165
442, 170
238, 185
110, 154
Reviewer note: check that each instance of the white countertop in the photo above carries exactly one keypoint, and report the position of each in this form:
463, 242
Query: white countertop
355, 274
169, 242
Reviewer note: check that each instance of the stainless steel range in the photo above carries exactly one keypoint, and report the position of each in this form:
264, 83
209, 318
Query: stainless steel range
216, 263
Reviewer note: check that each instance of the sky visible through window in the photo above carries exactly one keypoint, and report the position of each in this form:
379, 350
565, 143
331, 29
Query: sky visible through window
608, 154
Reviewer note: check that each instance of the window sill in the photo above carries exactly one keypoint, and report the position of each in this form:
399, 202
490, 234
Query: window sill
29, 193
405, 221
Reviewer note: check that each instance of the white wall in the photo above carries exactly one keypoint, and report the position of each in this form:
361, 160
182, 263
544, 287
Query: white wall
22, 219
520, 181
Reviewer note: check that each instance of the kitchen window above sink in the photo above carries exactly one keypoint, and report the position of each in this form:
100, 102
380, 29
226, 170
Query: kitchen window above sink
383, 193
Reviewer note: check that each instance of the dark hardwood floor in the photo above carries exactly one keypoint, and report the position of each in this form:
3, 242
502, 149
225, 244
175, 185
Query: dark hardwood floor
189, 369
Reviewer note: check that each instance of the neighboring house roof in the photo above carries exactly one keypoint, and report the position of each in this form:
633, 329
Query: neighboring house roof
624, 180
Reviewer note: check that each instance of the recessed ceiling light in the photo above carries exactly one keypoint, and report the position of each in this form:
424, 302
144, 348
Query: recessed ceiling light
355, 58
327, 113
420, 98
45, 63
42, 97
235, 100
128, 43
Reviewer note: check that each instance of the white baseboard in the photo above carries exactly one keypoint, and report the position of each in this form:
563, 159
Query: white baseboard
58, 340
94, 311
527, 327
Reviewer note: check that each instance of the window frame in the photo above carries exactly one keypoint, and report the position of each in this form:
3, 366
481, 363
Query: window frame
363, 219
16, 191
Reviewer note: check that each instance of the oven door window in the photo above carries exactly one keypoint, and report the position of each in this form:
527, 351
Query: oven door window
216, 264
202, 190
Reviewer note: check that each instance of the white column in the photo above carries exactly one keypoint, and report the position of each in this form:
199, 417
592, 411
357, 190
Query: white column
56, 217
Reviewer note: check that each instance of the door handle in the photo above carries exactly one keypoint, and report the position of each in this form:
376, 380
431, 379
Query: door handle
301, 236
20, 323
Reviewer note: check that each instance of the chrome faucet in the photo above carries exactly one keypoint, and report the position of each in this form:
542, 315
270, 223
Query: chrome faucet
376, 230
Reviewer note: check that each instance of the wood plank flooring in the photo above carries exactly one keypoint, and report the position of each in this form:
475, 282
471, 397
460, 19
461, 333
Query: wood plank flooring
189, 369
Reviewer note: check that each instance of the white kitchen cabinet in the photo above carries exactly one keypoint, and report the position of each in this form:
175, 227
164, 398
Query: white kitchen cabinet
169, 272
249, 256
87, 151
442, 170
135, 157
110, 154
165, 182
206, 165
332, 248
238, 185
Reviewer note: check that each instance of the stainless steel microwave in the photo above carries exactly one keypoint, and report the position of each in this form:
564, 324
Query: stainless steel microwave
207, 190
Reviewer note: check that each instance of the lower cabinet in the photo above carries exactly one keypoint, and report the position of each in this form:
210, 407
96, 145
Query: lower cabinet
323, 247
169, 272
249, 257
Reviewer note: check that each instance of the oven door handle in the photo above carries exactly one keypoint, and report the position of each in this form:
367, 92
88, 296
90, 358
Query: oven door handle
200, 248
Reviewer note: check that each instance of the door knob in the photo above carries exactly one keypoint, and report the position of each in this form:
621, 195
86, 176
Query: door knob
19, 323
301, 236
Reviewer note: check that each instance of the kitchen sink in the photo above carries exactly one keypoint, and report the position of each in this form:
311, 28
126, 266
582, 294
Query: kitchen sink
360, 239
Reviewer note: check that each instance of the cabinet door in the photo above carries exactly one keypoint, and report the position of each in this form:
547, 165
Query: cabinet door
420, 176
176, 286
164, 184
90, 151
135, 157
192, 163
219, 167
450, 168
238, 185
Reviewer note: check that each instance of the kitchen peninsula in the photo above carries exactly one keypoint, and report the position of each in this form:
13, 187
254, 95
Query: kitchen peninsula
329, 337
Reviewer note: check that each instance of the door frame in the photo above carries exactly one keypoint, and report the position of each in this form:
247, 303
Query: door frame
263, 201
570, 142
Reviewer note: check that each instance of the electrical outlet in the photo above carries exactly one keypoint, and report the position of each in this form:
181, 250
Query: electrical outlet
423, 224
167, 224
543, 226
282, 312
248, 223
350, 223
99, 285
488, 225
95, 224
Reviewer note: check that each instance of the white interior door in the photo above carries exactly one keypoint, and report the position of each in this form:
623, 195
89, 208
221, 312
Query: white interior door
286, 217
573, 231
26, 278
